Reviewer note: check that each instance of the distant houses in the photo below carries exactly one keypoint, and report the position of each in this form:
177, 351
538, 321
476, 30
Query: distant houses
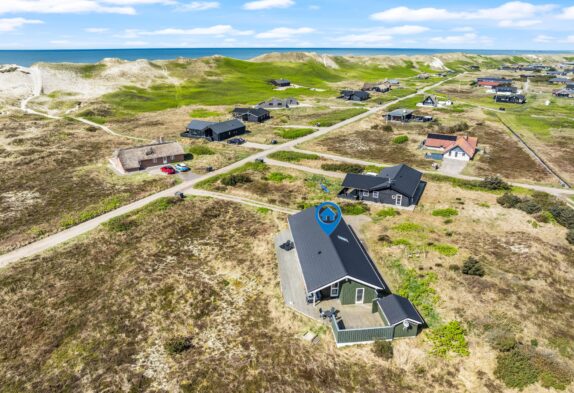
559, 81
493, 81
137, 158
424, 75
278, 103
564, 93
398, 185
510, 98
354, 95
379, 87
405, 116
214, 131
505, 89
452, 146
392, 82
434, 102
280, 82
256, 115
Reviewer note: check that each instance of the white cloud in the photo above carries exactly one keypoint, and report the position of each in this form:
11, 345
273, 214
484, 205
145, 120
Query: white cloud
96, 29
380, 35
61, 7
468, 38
10, 24
569, 39
544, 39
217, 30
139, 2
265, 4
567, 13
519, 23
60, 42
136, 43
284, 32
464, 29
513, 10
198, 6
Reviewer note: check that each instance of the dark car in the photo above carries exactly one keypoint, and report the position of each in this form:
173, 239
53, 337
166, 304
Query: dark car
236, 141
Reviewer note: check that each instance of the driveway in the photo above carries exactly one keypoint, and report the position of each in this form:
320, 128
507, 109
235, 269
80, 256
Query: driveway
452, 167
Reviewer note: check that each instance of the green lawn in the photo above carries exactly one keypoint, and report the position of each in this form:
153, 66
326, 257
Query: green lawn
330, 119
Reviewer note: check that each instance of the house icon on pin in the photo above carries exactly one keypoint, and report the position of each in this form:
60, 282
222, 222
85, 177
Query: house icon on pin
327, 215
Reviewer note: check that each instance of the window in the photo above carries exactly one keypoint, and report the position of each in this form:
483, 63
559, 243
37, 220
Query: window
359, 295
366, 193
375, 194
154, 160
335, 290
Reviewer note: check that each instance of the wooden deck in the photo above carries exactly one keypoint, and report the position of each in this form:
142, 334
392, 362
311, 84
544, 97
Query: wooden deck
293, 289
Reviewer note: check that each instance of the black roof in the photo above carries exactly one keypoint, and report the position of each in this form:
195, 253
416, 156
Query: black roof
254, 111
401, 178
397, 308
217, 128
359, 93
326, 259
442, 137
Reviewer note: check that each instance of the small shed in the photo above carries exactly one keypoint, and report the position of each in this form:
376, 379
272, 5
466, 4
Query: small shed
256, 115
401, 314
354, 95
280, 82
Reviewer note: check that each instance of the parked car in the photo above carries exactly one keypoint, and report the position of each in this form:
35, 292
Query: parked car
261, 160
180, 194
181, 167
274, 141
168, 170
236, 141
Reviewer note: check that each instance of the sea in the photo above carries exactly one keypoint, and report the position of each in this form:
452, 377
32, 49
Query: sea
28, 57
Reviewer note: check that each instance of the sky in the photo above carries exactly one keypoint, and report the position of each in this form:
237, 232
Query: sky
87, 24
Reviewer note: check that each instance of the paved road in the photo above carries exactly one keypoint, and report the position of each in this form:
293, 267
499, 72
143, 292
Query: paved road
186, 186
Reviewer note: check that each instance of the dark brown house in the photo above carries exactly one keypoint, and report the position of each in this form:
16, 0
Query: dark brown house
136, 158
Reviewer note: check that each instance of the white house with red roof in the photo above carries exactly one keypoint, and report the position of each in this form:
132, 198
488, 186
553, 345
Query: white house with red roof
457, 147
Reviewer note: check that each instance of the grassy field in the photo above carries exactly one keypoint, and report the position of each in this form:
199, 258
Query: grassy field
54, 173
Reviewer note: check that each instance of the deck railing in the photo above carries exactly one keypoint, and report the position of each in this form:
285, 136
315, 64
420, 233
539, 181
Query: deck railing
353, 336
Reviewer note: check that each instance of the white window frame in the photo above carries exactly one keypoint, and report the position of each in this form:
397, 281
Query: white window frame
357, 291
334, 290
375, 194
366, 193
398, 199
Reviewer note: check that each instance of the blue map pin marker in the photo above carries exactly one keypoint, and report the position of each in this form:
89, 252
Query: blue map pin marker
328, 215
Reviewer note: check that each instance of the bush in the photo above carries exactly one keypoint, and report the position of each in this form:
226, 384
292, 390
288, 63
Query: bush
387, 212
408, 227
294, 133
384, 238
200, 150
292, 156
563, 215
119, 224
354, 209
454, 268
383, 349
494, 183
508, 200
388, 128
449, 338
343, 167
529, 206
515, 369
473, 267
445, 249
570, 236
400, 139
178, 344
448, 212
278, 177
504, 342
233, 180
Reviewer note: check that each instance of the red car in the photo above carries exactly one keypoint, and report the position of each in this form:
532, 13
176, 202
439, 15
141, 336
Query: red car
168, 170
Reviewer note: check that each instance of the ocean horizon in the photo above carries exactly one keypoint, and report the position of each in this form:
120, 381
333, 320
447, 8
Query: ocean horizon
27, 57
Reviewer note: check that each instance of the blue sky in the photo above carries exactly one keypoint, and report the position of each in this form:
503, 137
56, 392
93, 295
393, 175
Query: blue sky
59, 24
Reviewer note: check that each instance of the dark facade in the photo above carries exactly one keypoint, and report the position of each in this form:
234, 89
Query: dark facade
213, 131
398, 186
510, 99
354, 95
256, 115
280, 82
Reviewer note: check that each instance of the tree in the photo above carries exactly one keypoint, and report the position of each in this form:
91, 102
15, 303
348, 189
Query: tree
494, 183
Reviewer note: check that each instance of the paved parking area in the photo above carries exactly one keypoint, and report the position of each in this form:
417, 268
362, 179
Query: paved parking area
450, 166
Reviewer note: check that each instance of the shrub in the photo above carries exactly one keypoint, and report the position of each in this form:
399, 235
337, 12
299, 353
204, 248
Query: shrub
472, 267
494, 183
294, 133
448, 212
278, 177
515, 369
408, 227
563, 215
233, 180
354, 209
454, 268
401, 242
387, 212
505, 342
529, 206
383, 349
400, 139
445, 249
292, 156
388, 128
449, 338
570, 236
119, 224
178, 344
200, 150
343, 167
384, 238
508, 200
